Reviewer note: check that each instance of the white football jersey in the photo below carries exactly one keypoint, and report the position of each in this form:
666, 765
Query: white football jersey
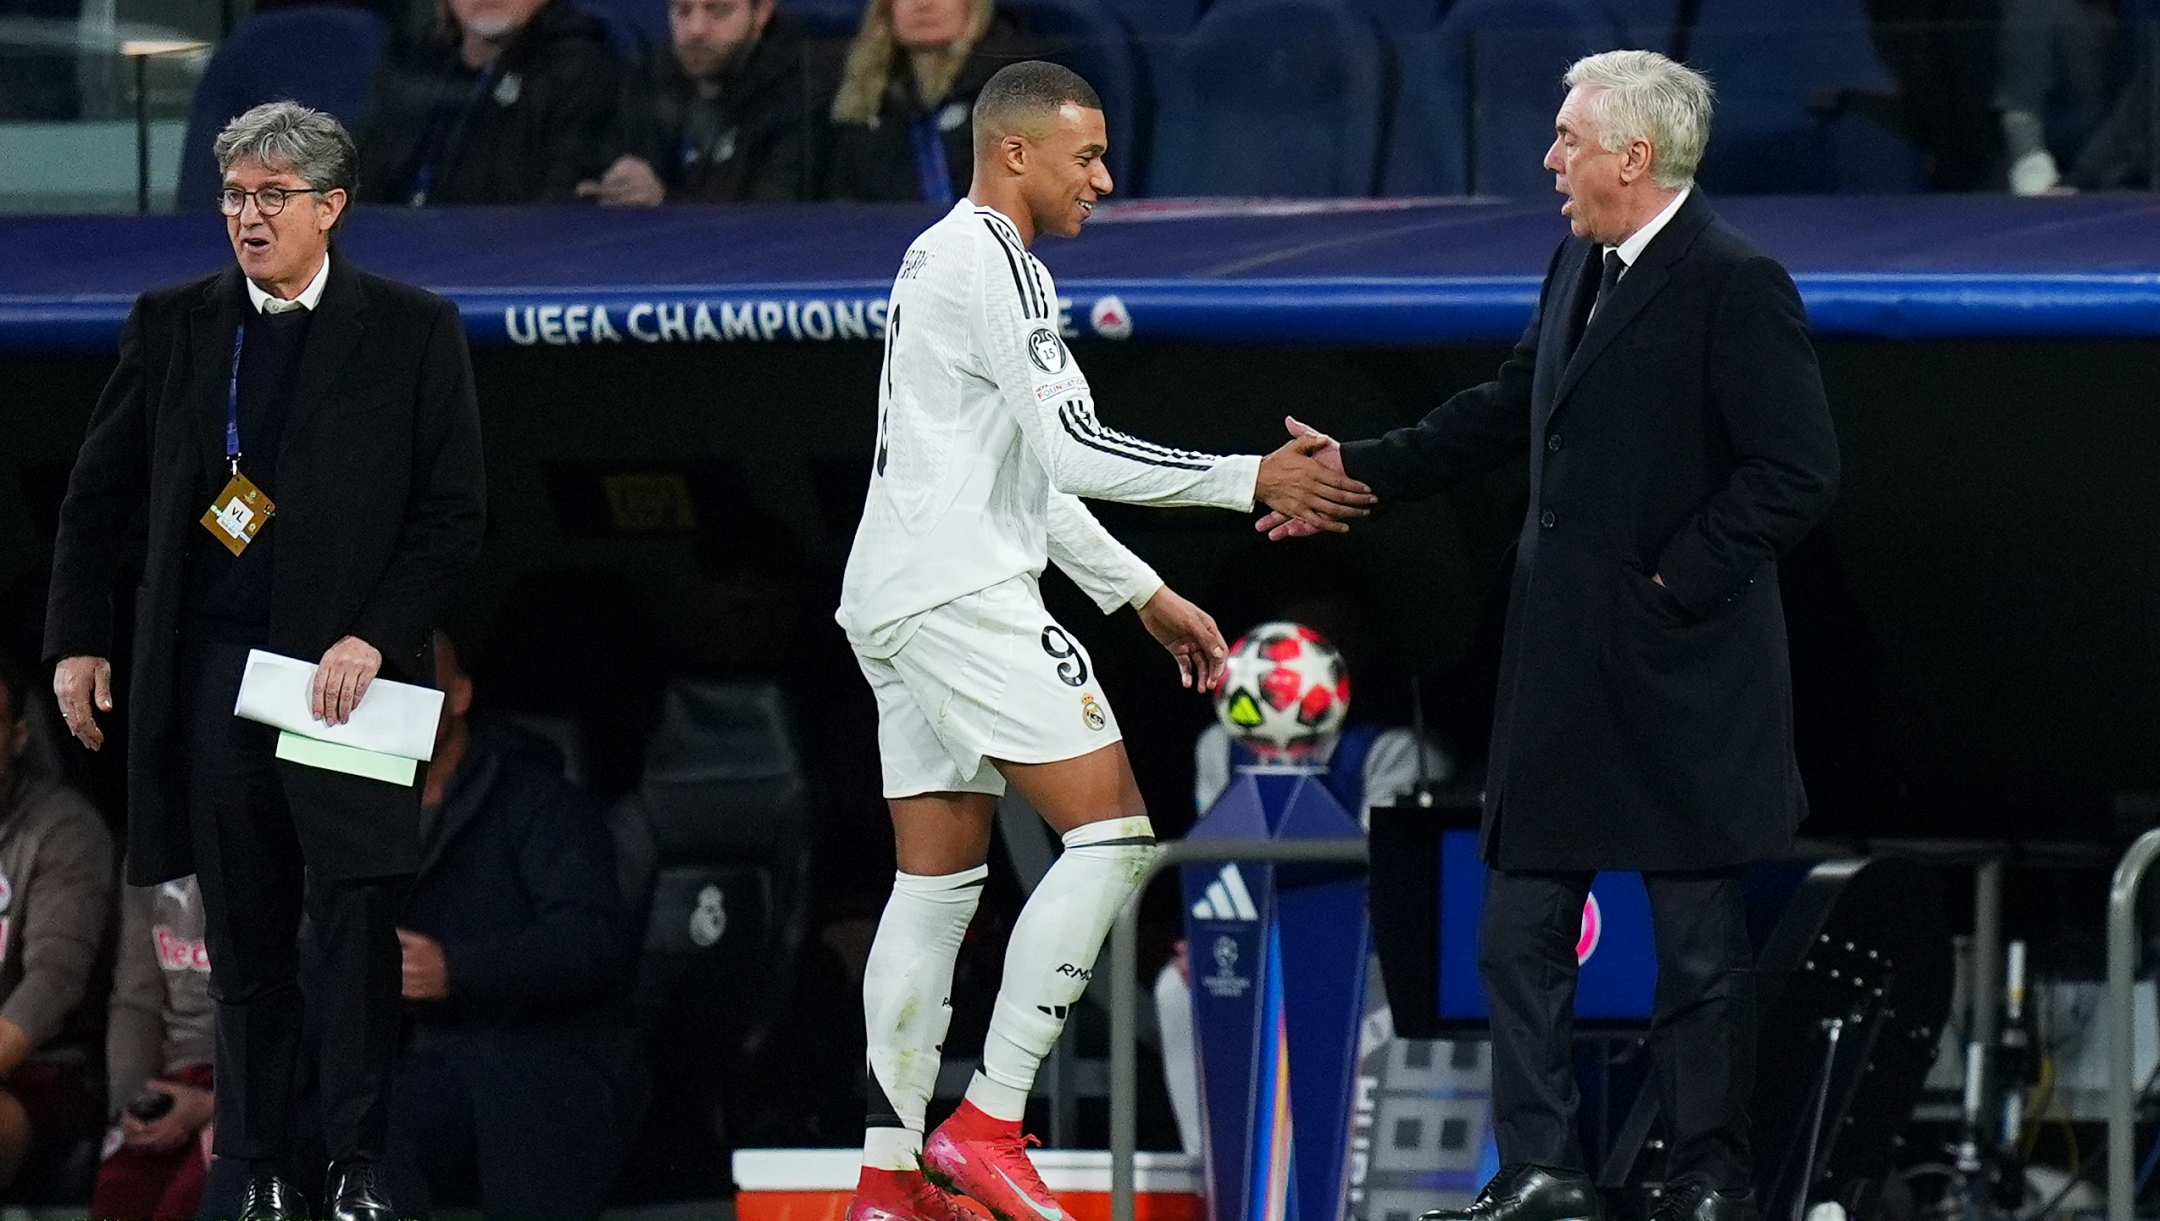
987, 435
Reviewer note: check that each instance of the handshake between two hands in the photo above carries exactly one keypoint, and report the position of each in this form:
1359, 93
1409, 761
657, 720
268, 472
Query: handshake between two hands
1304, 486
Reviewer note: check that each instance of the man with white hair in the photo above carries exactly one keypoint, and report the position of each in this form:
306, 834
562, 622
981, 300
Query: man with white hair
1668, 399
293, 447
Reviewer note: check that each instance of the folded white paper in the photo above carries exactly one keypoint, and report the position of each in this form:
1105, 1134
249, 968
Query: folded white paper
392, 719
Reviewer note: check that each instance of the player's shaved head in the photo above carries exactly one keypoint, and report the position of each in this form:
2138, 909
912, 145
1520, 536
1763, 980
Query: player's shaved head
1039, 147
1024, 99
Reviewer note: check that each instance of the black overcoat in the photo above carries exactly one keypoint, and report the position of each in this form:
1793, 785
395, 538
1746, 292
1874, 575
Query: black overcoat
379, 490
1687, 437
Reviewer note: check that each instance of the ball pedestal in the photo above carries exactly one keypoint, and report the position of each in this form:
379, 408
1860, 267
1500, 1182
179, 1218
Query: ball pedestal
1278, 958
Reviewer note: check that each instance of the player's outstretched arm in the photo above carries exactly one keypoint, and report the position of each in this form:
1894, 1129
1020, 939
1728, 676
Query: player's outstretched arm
1017, 329
1191, 636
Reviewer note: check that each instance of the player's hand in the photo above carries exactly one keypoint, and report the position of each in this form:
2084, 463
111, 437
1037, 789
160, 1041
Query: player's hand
630, 180
1190, 635
82, 684
1279, 526
1301, 486
341, 681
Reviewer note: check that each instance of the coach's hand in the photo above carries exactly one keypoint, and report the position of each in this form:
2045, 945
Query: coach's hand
78, 683
341, 681
1190, 635
1300, 486
1279, 526
426, 973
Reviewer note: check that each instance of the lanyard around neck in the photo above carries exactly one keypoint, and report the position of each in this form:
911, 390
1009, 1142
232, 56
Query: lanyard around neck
232, 403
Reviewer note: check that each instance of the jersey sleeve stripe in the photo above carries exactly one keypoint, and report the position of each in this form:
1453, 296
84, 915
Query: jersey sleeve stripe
1028, 307
1109, 444
1083, 414
1040, 275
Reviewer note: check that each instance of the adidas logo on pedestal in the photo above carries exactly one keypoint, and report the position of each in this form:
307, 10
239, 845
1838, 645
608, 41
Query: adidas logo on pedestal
1226, 898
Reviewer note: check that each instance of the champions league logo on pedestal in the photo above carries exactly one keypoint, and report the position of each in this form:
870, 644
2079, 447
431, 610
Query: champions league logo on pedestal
1278, 957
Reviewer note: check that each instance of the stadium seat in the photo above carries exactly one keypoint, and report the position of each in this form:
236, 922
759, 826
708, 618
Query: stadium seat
1650, 25
1094, 41
1400, 17
1271, 98
1159, 19
322, 55
1785, 71
625, 27
833, 20
1512, 53
723, 818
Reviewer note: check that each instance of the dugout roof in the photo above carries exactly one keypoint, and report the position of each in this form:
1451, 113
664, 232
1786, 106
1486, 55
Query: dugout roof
1362, 272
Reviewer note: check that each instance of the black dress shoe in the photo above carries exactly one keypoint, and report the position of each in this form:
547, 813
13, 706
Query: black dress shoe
353, 1195
270, 1198
1531, 1193
1691, 1199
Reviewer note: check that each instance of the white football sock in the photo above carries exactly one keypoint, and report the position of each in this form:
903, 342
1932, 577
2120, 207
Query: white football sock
1052, 953
907, 1004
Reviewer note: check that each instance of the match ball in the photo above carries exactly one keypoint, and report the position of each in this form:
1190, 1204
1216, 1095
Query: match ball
1285, 692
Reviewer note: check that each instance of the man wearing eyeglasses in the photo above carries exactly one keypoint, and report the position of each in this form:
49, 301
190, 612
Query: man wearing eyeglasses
296, 446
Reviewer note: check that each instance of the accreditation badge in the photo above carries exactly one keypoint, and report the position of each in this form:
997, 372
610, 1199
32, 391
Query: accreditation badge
238, 514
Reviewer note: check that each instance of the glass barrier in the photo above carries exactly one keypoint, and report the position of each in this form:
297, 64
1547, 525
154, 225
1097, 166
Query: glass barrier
91, 119
1306, 99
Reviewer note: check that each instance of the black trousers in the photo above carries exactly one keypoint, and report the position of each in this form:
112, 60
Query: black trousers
1702, 1040
255, 887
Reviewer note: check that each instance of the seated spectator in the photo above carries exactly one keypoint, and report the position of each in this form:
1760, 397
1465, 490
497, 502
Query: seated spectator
520, 1082
509, 101
56, 893
900, 122
726, 118
160, 1042
2051, 49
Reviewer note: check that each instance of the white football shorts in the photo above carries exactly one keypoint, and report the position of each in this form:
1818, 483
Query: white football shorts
986, 676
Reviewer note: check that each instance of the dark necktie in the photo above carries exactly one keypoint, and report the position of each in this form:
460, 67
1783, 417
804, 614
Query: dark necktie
1606, 281
1613, 268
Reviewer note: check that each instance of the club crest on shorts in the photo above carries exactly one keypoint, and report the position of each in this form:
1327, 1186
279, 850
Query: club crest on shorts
1046, 350
1091, 712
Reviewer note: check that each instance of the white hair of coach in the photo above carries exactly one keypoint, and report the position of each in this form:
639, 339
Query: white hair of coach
1642, 95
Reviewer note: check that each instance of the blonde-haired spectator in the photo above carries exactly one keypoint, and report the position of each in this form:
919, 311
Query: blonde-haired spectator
900, 120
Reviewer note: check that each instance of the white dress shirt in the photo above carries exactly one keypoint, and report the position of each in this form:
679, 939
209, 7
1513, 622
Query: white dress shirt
1631, 249
307, 300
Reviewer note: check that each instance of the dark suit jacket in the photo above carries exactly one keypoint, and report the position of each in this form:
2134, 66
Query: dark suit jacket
379, 491
1639, 726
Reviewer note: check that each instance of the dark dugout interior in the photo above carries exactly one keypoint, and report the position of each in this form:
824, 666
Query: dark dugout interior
1975, 631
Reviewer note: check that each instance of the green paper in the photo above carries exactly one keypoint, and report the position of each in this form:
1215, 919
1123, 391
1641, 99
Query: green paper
353, 761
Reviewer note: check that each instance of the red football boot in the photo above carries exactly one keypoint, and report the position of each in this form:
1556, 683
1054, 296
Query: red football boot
986, 1160
901, 1195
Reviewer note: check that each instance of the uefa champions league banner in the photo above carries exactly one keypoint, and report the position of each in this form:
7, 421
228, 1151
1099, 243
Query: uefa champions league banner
810, 313
1279, 959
